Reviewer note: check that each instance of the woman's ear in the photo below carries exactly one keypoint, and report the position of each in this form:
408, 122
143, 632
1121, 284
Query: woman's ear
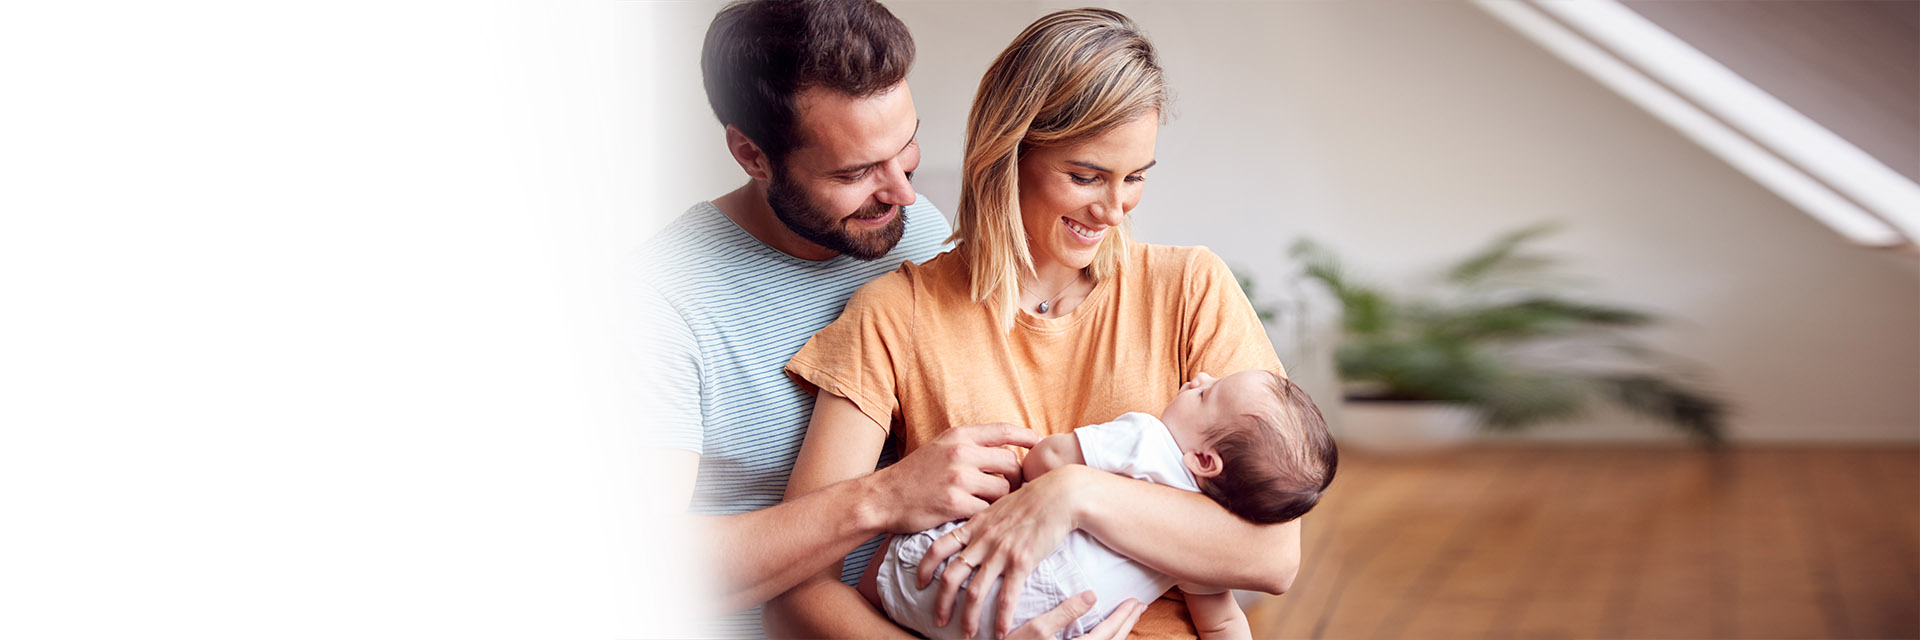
752, 159
1204, 463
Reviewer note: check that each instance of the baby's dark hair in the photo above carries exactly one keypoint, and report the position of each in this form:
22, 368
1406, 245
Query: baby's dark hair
1275, 461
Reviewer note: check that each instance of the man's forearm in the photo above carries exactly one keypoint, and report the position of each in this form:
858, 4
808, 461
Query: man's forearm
763, 553
1188, 536
826, 608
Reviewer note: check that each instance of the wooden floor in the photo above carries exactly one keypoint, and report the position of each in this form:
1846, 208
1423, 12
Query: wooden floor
1612, 543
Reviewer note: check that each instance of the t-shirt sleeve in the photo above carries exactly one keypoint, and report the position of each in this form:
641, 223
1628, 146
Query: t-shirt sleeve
859, 355
1138, 446
663, 356
1225, 334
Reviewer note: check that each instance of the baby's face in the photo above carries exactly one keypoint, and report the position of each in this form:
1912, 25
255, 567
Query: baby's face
1207, 400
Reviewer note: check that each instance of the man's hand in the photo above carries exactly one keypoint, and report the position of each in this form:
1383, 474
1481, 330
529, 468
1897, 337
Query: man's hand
1048, 625
951, 477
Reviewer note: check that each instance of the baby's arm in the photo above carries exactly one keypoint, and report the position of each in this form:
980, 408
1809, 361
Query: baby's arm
1215, 615
1053, 451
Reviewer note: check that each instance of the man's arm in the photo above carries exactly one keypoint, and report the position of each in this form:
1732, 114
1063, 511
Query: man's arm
759, 554
950, 478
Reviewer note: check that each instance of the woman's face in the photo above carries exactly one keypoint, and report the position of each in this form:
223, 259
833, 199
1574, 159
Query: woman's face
1072, 197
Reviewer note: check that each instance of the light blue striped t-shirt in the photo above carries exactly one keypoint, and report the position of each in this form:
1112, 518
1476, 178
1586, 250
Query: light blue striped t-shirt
720, 315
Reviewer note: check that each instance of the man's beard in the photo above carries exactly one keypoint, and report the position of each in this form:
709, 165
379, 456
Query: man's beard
791, 205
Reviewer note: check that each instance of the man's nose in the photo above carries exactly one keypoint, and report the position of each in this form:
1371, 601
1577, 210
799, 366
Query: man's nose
897, 189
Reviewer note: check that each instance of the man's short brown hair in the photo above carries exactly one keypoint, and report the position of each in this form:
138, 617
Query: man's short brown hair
760, 55
1275, 462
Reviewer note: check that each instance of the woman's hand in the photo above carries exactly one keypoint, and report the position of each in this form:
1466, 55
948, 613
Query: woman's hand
1005, 542
1048, 625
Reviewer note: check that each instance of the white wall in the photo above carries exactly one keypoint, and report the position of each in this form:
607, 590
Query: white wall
1405, 134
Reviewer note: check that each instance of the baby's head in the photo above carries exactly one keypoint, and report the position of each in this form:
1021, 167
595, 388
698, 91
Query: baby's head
1256, 443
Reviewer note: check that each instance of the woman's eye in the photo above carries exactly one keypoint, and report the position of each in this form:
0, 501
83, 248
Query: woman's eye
1079, 179
1137, 178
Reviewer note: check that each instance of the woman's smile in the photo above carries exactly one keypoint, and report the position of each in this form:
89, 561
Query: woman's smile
1085, 234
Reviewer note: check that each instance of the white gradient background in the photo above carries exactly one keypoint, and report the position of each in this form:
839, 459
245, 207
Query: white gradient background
305, 328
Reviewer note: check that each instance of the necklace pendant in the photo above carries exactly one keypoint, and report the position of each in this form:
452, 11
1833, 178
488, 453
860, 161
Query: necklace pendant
1045, 305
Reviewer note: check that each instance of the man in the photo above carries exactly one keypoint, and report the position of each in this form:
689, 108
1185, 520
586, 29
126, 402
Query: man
817, 112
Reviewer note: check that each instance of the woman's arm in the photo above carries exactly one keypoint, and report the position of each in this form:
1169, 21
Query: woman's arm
1209, 544
1180, 533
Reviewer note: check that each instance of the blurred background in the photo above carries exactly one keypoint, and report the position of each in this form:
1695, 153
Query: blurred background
1737, 175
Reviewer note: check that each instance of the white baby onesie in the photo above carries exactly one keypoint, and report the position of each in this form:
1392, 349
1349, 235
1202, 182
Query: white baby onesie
1136, 445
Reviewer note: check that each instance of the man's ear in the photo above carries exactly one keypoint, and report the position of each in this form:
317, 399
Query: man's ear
751, 158
1204, 463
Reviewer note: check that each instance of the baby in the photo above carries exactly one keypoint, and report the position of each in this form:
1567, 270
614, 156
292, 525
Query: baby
1252, 441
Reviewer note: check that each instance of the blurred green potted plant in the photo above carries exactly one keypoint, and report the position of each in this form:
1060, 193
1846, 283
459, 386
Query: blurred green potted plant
1497, 344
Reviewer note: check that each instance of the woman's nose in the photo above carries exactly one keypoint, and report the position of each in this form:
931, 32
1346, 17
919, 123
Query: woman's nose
1109, 211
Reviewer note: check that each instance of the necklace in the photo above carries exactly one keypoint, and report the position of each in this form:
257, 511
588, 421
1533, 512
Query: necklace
1047, 302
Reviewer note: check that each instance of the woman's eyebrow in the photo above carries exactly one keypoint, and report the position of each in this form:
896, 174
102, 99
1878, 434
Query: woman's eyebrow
1101, 169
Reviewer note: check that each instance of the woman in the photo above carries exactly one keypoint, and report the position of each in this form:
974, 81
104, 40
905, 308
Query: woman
1046, 316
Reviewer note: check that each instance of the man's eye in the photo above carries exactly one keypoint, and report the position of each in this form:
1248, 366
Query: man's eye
856, 176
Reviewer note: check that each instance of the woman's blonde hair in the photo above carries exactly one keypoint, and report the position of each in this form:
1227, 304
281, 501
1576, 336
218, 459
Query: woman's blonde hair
1068, 78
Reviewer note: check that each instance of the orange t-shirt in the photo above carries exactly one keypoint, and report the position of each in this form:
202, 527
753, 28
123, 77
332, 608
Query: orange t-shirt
914, 352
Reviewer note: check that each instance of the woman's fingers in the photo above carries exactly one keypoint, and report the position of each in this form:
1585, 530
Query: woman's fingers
1119, 623
1011, 584
984, 578
951, 578
941, 549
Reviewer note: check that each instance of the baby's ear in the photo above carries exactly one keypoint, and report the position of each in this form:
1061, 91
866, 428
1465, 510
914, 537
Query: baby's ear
1204, 463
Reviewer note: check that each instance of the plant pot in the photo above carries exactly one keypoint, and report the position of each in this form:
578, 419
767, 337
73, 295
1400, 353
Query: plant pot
1405, 428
